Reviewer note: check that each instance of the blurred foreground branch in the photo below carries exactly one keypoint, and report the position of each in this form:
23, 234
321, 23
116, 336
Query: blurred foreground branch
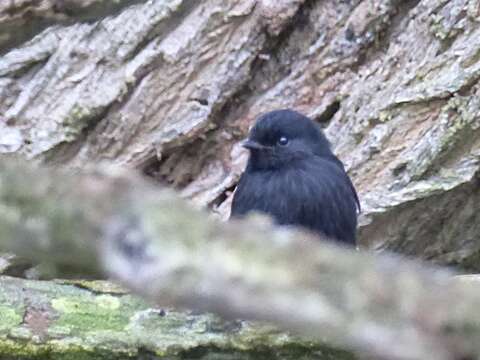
158, 246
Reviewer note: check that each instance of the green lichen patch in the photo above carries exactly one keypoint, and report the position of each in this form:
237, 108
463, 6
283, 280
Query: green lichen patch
9, 317
87, 313
76, 121
86, 324
54, 350
97, 286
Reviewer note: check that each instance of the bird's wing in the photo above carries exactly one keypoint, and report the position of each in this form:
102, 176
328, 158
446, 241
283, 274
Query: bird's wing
339, 163
357, 200
240, 202
331, 206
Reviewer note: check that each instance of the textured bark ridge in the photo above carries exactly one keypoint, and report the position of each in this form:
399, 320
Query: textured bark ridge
170, 87
22, 19
98, 320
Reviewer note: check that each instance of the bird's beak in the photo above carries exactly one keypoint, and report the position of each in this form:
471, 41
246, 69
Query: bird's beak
252, 145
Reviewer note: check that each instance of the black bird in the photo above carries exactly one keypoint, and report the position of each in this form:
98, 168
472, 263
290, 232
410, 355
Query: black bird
293, 176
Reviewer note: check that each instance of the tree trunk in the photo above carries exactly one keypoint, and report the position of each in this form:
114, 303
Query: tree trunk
97, 320
171, 87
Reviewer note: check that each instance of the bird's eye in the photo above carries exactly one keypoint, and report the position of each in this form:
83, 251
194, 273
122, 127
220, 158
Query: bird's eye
282, 141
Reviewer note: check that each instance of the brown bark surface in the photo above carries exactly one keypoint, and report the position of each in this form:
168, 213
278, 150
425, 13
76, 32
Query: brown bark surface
171, 87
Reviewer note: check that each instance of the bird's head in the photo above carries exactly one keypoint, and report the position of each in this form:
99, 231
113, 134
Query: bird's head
282, 137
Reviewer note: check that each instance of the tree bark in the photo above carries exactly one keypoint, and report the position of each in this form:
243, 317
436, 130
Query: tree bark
171, 87
98, 320
20, 20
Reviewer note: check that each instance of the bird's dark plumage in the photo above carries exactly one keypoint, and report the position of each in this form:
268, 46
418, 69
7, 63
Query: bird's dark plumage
293, 176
